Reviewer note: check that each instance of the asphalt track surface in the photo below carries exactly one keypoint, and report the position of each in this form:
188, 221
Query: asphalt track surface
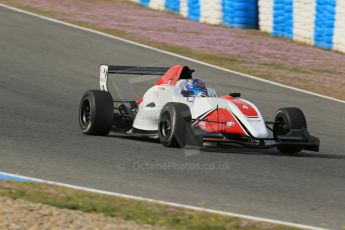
46, 67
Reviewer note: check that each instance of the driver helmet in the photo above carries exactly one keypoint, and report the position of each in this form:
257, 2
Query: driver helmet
197, 87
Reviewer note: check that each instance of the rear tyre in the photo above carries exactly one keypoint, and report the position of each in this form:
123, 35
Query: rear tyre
286, 119
174, 128
96, 113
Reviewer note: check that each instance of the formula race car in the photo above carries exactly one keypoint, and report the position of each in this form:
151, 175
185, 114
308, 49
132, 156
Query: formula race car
179, 110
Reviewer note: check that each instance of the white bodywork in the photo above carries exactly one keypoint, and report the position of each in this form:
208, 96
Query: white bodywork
157, 96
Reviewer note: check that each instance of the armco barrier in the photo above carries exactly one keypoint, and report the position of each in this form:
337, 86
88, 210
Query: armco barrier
316, 22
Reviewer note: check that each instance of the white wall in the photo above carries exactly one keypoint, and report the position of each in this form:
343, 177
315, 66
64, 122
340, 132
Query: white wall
265, 15
157, 4
339, 32
184, 7
211, 11
304, 16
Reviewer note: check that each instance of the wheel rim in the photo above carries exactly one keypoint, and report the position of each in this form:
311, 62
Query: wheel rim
280, 126
85, 113
165, 125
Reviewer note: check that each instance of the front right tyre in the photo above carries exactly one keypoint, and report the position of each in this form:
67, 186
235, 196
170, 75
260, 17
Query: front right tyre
286, 119
96, 113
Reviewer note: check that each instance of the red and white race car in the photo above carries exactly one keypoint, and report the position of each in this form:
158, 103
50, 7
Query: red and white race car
178, 118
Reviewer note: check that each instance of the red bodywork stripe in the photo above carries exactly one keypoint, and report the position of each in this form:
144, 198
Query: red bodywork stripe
138, 102
215, 139
171, 76
244, 107
221, 121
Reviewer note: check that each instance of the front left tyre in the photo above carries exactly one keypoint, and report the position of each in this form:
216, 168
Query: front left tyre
96, 113
175, 128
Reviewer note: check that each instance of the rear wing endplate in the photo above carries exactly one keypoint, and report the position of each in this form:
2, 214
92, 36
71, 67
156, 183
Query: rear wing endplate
105, 70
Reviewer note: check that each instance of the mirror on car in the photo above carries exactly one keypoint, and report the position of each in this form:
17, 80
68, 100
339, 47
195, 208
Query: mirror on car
235, 94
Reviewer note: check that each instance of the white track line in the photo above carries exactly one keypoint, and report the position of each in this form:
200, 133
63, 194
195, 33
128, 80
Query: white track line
170, 53
254, 218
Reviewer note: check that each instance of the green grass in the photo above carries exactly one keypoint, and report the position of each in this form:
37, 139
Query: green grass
140, 212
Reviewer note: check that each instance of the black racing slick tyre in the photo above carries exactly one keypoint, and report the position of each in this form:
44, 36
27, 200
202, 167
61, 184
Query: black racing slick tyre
96, 113
286, 119
174, 128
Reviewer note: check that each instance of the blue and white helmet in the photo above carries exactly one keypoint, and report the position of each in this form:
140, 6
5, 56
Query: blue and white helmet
196, 86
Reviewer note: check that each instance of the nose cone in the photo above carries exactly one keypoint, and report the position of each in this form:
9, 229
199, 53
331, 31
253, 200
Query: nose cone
257, 128
249, 116
246, 109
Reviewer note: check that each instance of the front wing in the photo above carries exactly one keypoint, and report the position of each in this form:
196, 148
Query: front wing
296, 137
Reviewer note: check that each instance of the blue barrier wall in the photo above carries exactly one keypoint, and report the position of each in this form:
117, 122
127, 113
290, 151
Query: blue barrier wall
241, 14
234, 13
283, 18
144, 2
316, 22
173, 5
324, 23
194, 10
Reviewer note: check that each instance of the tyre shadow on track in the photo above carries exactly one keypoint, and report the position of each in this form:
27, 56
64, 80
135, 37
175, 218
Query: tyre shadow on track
269, 152
134, 138
234, 149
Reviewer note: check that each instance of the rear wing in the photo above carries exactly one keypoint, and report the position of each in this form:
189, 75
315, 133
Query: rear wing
105, 70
